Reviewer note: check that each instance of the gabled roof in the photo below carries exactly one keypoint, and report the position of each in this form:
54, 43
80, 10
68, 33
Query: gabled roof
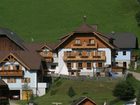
2, 83
124, 40
82, 99
85, 28
12, 36
38, 46
30, 60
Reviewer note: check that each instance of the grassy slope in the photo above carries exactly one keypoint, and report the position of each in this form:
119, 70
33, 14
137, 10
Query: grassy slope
97, 90
47, 20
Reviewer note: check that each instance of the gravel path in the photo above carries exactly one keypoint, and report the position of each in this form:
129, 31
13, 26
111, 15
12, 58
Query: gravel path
136, 75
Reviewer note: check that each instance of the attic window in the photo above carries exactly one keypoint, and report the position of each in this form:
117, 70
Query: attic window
91, 41
77, 41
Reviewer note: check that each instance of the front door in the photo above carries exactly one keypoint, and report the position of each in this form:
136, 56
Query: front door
124, 64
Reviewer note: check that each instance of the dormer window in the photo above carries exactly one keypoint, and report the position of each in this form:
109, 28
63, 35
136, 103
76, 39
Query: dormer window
77, 42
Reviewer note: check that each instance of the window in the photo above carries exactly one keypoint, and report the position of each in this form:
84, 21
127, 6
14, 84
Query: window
99, 53
91, 41
53, 66
116, 63
100, 64
25, 80
11, 80
69, 65
68, 53
124, 52
77, 41
17, 67
72, 73
80, 65
88, 65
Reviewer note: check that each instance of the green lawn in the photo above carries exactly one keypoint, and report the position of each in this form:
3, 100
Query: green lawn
47, 20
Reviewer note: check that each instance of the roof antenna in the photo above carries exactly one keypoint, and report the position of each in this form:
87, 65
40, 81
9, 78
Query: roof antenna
84, 18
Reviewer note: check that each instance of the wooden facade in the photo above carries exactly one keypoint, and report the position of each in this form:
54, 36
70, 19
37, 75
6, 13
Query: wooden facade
47, 55
86, 41
7, 45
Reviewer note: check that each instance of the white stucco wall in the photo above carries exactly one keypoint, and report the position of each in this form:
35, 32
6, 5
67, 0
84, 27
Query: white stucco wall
120, 58
62, 67
107, 54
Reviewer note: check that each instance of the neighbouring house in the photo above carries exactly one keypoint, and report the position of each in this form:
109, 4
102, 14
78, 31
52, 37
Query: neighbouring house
126, 42
4, 93
84, 101
20, 67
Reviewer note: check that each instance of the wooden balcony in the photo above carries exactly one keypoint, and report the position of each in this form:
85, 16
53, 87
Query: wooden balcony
84, 45
46, 54
84, 56
11, 73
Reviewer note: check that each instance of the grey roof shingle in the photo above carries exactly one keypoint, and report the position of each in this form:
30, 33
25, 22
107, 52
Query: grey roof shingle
124, 40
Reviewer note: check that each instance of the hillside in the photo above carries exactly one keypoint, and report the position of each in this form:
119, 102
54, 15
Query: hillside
99, 90
47, 20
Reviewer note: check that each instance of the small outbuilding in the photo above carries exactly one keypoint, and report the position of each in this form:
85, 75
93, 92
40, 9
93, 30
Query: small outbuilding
84, 101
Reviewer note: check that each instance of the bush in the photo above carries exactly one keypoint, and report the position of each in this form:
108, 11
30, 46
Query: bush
53, 92
71, 92
138, 18
138, 97
124, 91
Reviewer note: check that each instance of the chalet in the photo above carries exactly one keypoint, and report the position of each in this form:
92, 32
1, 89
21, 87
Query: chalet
81, 52
87, 52
84, 101
20, 67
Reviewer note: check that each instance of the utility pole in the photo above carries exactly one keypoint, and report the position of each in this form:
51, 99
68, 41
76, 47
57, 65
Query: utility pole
57, 103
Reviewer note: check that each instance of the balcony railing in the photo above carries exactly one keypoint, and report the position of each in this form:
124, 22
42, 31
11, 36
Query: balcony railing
9, 73
49, 60
84, 45
92, 56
